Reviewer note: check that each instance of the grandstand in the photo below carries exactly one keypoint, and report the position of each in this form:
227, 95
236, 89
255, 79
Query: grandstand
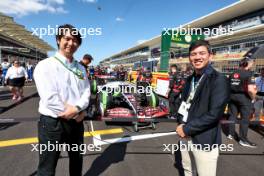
245, 18
16, 42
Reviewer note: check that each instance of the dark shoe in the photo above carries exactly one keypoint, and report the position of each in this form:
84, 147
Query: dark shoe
247, 143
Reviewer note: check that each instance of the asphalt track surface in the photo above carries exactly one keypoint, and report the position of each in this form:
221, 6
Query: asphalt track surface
132, 158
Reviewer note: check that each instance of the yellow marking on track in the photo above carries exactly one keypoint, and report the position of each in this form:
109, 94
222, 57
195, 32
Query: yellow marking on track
14, 142
103, 132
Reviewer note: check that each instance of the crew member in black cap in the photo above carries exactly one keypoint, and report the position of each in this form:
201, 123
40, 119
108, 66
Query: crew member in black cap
86, 60
176, 85
243, 92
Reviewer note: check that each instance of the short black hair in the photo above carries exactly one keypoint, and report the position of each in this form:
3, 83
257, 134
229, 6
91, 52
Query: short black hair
61, 31
199, 43
175, 66
88, 56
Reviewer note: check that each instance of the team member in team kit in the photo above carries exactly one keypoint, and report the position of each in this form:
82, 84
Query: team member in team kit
147, 76
243, 92
121, 73
139, 75
144, 79
176, 85
64, 93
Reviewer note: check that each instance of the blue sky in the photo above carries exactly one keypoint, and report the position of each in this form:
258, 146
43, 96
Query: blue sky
124, 23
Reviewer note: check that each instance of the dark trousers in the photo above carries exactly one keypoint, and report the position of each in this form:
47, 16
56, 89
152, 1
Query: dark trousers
236, 106
174, 103
59, 131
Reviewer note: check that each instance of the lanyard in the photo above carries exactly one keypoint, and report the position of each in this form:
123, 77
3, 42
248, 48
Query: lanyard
77, 71
193, 89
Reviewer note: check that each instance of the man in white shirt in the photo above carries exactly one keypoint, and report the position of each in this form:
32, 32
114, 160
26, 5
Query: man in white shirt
64, 93
258, 105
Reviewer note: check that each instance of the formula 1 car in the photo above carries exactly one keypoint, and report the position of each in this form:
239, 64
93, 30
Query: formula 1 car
118, 101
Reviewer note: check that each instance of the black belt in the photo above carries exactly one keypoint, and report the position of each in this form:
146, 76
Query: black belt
238, 92
260, 93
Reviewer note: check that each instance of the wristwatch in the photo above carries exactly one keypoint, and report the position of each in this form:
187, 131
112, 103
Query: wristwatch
79, 110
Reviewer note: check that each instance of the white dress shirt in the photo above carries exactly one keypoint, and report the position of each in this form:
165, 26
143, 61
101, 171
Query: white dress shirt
16, 72
260, 83
57, 85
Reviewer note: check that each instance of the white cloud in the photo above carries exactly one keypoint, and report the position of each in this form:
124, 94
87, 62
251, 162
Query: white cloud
119, 19
61, 10
140, 41
26, 7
